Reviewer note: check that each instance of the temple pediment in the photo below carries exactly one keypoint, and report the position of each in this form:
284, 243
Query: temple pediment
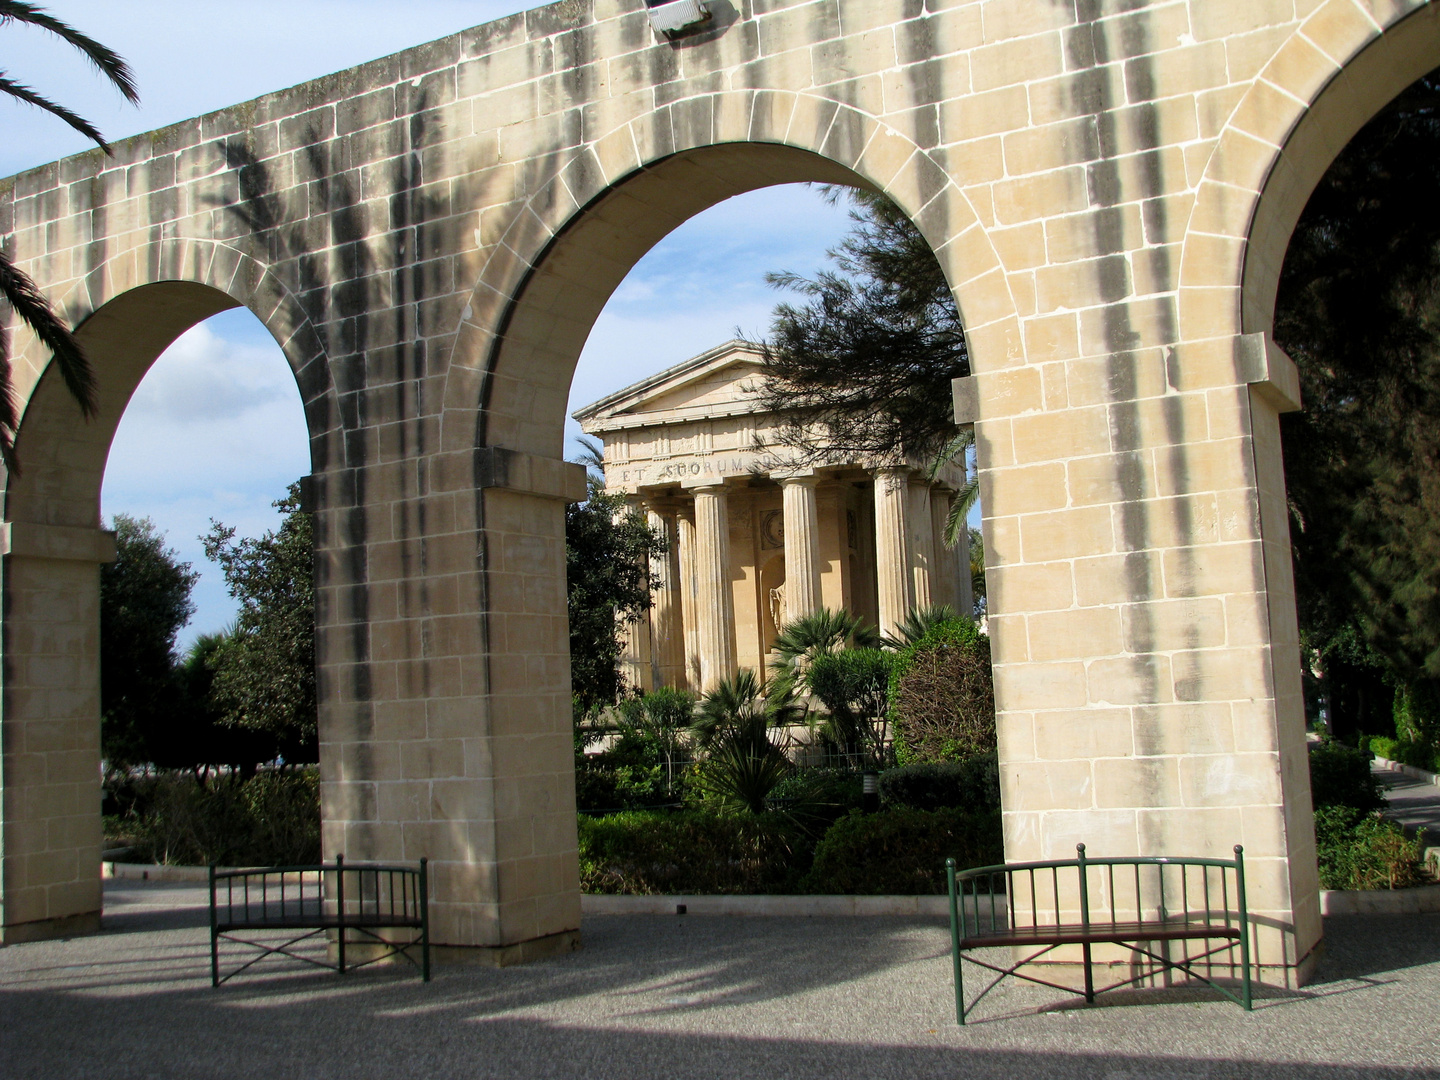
720, 382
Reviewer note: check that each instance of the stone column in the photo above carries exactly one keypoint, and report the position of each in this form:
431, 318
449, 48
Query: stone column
714, 598
667, 637
802, 546
922, 551
689, 595
943, 580
892, 546
636, 655
964, 586
50, 836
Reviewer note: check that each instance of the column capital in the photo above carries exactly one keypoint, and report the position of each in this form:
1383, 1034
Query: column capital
795, 476
702, 483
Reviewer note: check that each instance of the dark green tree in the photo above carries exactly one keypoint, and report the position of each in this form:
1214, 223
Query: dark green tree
265, 669
144, 603
192, 734
868, 355
18, 290
1358, 308
608, 548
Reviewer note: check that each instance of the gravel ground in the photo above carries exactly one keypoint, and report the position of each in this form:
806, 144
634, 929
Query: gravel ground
686, 996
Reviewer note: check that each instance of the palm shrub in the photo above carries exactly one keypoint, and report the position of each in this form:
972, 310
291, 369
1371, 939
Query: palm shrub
917, 623
817, 634
942, 695
732, 724
854, 687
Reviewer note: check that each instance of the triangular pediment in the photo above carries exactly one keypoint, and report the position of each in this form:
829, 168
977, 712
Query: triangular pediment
724, 380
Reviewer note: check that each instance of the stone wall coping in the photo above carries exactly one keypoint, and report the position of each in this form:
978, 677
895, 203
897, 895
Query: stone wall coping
1421, 900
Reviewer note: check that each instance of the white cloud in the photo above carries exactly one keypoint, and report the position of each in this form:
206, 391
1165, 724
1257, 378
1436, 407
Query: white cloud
215, 429
206, 378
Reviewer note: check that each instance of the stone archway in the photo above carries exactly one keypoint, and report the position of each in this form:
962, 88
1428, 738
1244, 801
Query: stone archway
53, 549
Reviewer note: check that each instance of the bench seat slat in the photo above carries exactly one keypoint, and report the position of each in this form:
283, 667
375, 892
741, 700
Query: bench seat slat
1113, 933
316, 922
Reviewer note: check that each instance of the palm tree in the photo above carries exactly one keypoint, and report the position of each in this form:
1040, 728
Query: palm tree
732, 723
744, 709
22, 294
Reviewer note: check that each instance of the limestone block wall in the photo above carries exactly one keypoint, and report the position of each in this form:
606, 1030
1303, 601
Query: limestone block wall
1109, 187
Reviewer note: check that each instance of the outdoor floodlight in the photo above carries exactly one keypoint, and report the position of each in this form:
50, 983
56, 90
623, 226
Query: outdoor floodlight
676, 17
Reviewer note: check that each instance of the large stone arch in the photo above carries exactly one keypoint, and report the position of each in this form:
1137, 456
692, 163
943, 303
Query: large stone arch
1339, 68
586, 219
127, 315
621, 193
1332, 74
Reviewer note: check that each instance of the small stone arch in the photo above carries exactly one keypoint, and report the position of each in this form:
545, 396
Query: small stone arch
1340, 67
126, 314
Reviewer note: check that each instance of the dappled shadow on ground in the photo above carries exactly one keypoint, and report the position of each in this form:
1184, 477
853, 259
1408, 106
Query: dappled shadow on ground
1413, 803
688, 996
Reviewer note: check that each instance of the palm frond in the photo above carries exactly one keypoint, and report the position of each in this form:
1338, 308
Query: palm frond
20, 92
34, 310
106, 60
591, 455
918, 622
960, 507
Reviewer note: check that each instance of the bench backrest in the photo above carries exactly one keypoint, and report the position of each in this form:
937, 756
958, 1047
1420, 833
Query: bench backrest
330, 894
1090, 892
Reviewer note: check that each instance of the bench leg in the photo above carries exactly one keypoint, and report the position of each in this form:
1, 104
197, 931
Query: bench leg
1089, 977
959, 989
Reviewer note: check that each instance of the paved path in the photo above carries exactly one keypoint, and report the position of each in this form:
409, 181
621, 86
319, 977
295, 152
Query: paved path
1413, 803
679, 997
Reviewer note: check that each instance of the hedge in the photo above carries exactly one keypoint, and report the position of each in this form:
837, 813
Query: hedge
972, 784
1340, 776
901, 852
271, 819
644, 852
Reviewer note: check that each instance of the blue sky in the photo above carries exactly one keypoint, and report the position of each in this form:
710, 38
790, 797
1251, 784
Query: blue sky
216, 430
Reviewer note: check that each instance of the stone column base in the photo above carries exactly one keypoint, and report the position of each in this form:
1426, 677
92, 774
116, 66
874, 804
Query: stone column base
87, 922
522, 952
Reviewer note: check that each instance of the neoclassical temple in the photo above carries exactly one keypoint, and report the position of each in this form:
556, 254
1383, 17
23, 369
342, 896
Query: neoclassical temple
756, 539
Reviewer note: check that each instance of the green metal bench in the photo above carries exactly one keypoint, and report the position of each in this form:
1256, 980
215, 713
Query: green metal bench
346, 899
1047, 905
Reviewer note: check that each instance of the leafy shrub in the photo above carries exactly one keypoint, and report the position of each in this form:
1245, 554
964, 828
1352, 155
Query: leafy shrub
901, 852
942, 696
972, 784
854, 686
271, 819
1357, 850
690, 852
1415, 754
1340, 776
